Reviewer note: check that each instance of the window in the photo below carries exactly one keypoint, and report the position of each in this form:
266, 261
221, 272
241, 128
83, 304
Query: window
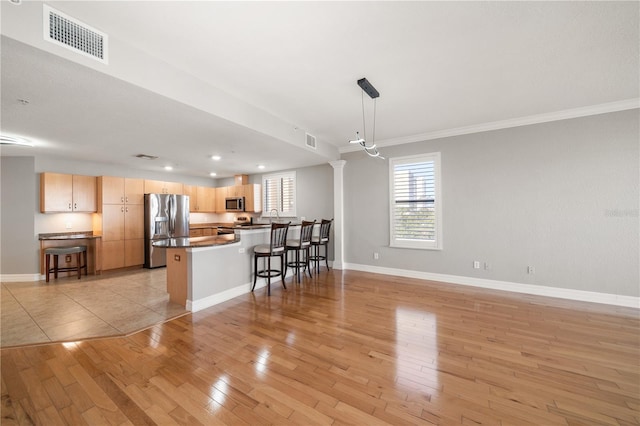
279, 193
415, 201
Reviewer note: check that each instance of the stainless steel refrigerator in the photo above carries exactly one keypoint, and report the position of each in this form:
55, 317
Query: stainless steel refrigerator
165, 216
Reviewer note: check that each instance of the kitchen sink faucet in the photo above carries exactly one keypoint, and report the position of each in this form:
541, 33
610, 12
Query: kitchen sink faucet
271, 215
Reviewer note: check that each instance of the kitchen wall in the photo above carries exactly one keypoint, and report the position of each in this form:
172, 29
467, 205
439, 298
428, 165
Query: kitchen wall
561, 196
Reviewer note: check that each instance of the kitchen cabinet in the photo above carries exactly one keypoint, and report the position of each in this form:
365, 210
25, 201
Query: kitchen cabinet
118, 190
252, 198
122, 221
235, 191
161, 187
61, 192
202, 199
221, 194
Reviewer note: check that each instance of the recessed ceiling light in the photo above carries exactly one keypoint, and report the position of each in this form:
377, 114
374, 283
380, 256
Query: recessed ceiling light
261, 166
168, 168
216, 157
213, 174
12, 140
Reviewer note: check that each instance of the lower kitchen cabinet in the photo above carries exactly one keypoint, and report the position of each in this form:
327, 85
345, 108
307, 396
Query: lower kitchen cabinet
122, 253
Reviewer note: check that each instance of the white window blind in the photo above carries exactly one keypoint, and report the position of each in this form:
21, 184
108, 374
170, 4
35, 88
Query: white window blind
279, 193
415, 201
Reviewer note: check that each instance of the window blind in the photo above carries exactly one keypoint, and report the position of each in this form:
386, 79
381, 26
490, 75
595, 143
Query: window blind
279, 193
414, 215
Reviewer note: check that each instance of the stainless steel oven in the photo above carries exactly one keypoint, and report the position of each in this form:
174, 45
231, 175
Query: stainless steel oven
234, 204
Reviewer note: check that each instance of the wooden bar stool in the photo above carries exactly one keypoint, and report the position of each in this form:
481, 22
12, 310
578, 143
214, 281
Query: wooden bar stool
276, 247
62, 251
299, 245
321, 240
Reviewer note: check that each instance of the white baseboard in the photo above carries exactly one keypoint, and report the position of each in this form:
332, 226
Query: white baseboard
14, 278
538, 290
214, 299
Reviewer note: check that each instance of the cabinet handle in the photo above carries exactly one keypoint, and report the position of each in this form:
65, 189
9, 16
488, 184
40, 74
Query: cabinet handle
126, 199
70, 206
126, 209
75, 206
122, 199
122, 209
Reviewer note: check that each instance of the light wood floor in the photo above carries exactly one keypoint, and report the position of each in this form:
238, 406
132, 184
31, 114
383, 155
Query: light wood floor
347, 348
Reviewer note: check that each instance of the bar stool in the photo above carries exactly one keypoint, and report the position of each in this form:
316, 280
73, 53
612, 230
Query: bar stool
298, 245
276, 247
321, 240
61, 251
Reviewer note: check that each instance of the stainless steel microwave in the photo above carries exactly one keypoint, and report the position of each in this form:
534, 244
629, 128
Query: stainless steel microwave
234, 204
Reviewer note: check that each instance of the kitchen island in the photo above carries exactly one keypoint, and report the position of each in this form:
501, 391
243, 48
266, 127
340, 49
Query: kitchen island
205, 271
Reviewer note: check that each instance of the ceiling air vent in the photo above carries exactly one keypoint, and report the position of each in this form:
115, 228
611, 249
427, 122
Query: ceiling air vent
68, 32
310, 141
146, 157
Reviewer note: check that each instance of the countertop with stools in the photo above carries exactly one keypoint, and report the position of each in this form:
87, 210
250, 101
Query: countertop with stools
68, 263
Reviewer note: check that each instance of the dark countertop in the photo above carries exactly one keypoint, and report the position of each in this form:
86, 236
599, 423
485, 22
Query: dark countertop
186, 242
207, 225
69, 236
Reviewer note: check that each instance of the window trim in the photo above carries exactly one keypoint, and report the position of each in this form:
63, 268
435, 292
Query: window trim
280, 175
417, 244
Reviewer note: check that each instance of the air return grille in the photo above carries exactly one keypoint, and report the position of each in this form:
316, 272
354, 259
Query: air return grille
310, 141
74, 35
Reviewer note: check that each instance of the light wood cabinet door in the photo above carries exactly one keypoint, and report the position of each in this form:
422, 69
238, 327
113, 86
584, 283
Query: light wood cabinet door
221, 194
133, 221
235, 191
111, 189
174, 188
113, 222
134, 252
207, 199
161, 187
192, 192
133, 191
252, 198
56, 192
153, 187
112, 254
84, 194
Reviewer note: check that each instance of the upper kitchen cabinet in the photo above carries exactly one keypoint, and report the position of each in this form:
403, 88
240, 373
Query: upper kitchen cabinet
221, 194
160, 187
61, 192
252, 198
202, 199
119, 190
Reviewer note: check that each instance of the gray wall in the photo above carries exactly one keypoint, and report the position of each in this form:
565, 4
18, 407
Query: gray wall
18, 247
561, 196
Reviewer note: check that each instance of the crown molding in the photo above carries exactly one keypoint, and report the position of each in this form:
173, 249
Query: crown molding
506, 124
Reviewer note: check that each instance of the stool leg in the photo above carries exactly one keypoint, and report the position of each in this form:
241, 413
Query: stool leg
55, 266
307, 264
255, 271
48, 264
85, 266
326, 255
78, 264
269, 276
283, 258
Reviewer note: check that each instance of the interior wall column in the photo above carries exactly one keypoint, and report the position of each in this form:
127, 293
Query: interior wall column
338, 212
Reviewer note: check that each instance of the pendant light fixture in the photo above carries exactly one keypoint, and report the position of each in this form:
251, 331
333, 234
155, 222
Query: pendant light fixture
371, 150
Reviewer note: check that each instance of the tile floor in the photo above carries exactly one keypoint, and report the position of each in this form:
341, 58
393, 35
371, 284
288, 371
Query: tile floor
69, 309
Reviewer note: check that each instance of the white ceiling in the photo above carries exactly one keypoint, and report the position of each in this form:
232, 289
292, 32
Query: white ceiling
280, 69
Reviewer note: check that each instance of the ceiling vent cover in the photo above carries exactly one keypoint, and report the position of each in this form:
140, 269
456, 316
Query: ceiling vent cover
75, 35
310, 141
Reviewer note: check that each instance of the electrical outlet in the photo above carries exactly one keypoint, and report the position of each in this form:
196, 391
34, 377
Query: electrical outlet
476, 264
487, 266
67, 258
376, 256
241, 250
531, 270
